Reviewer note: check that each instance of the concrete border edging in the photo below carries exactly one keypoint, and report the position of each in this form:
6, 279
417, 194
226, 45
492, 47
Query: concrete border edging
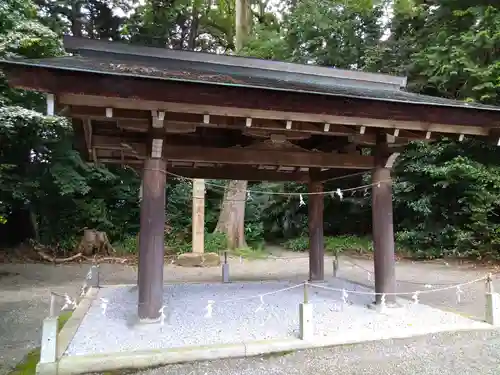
69, 329
73, 365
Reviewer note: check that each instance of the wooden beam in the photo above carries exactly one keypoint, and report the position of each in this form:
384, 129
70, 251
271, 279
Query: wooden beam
263, 128
252, 102
261, 157
87, 130
424, 126
232, 172
114, 143
221, 172
136, 121
242, 156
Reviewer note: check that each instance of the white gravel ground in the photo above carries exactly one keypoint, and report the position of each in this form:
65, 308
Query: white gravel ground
237, 317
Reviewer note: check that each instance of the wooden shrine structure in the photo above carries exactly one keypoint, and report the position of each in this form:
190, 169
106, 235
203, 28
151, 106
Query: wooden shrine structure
203, 115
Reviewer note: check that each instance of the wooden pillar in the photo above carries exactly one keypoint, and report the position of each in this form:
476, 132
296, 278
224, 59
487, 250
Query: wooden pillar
151, 240
198, 219
382, 222
316, 243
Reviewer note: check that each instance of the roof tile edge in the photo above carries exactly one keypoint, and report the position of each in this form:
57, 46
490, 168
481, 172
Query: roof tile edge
76, 44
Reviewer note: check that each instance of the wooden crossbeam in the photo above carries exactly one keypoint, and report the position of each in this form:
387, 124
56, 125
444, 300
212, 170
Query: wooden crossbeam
222, 172
370, 122
231, 172
242, 156
264, 157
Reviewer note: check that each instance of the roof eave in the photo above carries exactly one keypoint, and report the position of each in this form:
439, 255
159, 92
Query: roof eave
81, 70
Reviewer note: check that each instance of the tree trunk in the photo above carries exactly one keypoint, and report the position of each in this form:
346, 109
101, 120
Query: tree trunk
193, 29
243, 23
232, 214
76, 19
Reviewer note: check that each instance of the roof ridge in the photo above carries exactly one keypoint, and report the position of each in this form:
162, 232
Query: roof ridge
78, 44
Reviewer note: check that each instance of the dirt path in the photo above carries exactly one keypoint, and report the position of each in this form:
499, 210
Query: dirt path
25, 289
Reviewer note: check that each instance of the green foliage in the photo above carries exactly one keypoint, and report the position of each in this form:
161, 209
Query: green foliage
12, 12
333, 33
333, 244
467, 178
215, 242
463, 59
251, 252
28, 365
174, 244
338, 244
128, 245
445, 194
32, 40
297, 244
254, 233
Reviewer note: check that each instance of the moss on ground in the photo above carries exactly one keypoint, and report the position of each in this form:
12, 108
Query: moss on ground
28, 365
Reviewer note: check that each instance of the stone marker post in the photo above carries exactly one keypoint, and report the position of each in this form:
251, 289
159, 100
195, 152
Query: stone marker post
492, 304
306, 328
198, 216
48, 350
225, 269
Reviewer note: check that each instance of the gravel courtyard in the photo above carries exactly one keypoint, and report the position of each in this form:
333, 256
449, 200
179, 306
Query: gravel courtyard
237, 316
25, 296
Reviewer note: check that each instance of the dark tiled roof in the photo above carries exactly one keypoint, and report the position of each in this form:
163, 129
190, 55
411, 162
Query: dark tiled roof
84, 46
192, 71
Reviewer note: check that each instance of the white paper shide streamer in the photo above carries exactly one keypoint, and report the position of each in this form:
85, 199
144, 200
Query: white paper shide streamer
382, 303
209, 309
68, 303
345, 296
104, 305
83, 288
261, 306
339, 193
162, 314
301, 201
415, 297
459, 293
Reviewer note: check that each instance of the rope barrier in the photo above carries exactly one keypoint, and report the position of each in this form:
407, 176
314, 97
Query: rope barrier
401, 293
337, 191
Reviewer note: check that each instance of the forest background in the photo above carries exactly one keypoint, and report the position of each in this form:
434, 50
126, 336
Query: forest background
446, 193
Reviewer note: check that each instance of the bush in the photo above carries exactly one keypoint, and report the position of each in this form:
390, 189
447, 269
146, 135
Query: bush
129, 245
215, 242
297, 244
254, 234
339, 244
251, 252
333, 244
